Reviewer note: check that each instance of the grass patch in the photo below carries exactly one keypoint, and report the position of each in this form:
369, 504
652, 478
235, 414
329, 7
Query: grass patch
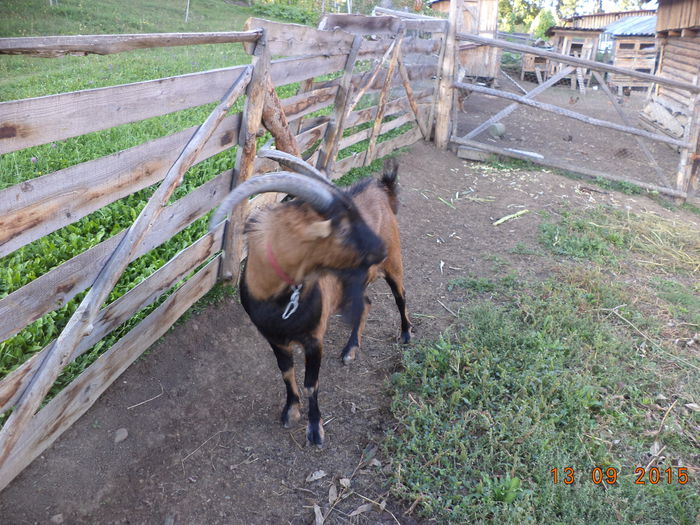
511, 392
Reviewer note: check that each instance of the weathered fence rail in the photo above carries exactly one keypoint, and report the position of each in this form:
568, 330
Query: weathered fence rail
402, 78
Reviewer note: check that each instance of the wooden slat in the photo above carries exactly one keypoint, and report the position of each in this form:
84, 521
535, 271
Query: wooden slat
298, 40
570, 114
416, 22
54, 46
361, 24
364, 134
64, 409
80, 322
53, 289
416, 72
571, 60
444, 95
40, 206
384, 148
395, 106
142, 295
34, 121
583, 170
411, 46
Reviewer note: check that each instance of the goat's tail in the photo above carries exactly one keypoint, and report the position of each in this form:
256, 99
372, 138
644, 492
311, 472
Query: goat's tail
388, 180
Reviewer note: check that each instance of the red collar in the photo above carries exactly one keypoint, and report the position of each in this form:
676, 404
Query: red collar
276, 266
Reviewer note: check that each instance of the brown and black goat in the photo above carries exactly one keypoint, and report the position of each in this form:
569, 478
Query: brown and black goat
312, 256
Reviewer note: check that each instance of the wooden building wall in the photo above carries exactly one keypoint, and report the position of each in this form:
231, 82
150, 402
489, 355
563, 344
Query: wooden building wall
669, 108
600, 20
481, 18
677, 14
633, 52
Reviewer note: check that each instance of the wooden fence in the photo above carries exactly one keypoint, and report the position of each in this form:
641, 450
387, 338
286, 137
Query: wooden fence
674, 184
399, 64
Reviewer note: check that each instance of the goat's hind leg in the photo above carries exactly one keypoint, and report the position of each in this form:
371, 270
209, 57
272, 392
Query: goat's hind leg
393, 273
285, 362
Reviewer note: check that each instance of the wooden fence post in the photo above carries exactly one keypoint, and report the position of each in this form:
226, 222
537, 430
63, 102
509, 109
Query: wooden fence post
686, 181
245, 157
80, 323
447, 70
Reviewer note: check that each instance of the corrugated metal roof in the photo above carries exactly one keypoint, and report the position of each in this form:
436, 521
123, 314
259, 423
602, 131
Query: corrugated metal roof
633, 26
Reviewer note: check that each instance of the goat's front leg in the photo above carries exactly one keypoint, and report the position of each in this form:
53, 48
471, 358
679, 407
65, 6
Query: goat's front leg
285, 362
313, 351
399, 293
358, 318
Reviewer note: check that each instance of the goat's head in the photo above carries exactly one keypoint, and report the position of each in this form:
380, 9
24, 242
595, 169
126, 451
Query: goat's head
325, 219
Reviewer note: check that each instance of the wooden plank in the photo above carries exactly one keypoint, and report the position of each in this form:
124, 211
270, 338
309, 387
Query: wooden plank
306, 86
364, 134
361, 24
411, 98
383, 149
369, 77
627, 122
111, 317
582, 170
447, 75
416, 72
34, 121
512, 107
245, 156
37, 207
55, 46
40, 206
274, 119
55, 288
395, 106
329, 148
381, 105
571, 114
298, 40
411, 46
80, 323
575, 61
73, 401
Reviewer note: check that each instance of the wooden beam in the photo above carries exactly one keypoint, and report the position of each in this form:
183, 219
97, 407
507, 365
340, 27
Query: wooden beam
361, 24
56, 46
81, 321
34, 121
297, 40
571, 114
512, 107
575, 61
447, 75
274, 119
626, 121
581, 170
111, 317
54, 289
245, 157
334, 131
686, 163
74, 400
412, 99
381, 106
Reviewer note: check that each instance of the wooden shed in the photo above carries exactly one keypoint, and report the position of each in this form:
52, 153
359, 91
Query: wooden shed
480, 18
633, 47
576, 42
678, 39
602, 20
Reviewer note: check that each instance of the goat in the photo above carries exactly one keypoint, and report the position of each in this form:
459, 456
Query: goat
310, 257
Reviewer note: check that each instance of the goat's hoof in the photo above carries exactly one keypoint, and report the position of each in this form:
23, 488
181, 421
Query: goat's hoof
290, 415
405, 337
315, 433
349, 355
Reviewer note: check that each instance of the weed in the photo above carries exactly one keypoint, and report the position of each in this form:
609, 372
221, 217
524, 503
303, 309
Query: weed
511, 392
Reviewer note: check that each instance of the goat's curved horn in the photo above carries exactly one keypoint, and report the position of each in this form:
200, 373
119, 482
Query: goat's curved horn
309, 190
294, 163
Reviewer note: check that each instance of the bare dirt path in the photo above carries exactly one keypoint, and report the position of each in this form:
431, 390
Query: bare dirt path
207, 448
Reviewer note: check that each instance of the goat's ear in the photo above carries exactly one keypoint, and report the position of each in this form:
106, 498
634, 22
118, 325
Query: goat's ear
319, 229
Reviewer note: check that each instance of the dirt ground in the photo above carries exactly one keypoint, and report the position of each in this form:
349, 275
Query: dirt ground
204, 444
571, 141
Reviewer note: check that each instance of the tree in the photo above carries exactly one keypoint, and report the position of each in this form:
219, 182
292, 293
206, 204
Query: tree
543, 21
518, 13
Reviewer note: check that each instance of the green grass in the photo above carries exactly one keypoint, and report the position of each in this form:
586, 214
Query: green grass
548, 380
